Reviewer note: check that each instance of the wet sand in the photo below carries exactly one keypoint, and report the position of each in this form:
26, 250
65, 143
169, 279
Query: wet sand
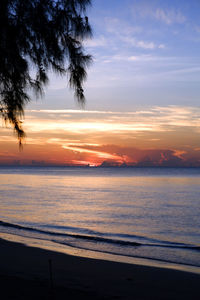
34, 273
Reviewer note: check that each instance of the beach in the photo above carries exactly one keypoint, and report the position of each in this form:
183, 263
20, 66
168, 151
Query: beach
26, 274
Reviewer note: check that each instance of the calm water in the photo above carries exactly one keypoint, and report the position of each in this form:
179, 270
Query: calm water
133, 212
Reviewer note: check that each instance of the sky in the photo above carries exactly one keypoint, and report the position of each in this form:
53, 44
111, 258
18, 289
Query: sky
142, 93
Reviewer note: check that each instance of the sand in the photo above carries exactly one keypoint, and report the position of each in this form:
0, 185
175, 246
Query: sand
25, 274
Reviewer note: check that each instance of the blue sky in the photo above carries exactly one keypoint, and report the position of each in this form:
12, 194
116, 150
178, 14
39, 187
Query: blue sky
145, 53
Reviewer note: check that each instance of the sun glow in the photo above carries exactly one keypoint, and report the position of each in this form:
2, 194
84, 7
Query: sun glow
97, 154
153, 137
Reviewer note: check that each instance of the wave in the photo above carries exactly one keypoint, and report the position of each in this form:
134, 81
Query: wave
99, 237
78, 236
129, 255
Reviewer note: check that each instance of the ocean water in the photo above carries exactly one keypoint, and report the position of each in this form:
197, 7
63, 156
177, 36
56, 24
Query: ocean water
147, 213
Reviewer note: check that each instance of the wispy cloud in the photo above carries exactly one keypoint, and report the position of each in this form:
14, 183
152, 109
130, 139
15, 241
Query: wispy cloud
96, 153
165, 15
129, 34
139, 43
152, 119
116, 26
169, 16
156, 127
96, 42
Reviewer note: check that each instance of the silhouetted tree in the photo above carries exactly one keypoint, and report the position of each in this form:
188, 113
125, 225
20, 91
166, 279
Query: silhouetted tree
37, 36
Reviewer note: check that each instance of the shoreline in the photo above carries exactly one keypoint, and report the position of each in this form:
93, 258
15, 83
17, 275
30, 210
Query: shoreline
95, 254
88, 278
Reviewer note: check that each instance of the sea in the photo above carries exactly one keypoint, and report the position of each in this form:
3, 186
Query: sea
148, 216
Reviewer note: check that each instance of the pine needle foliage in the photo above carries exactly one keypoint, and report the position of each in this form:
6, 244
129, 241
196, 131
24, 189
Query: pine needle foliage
40, 35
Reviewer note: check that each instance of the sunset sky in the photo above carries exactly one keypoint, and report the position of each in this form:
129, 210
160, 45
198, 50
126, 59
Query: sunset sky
142, 91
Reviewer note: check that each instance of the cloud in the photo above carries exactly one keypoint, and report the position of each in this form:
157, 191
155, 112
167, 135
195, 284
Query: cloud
161, 46
156, 136
96, 153
179, 153
124, 32
157, 119
117, 155
96, 42
197, 29
169, 16
138, 43
142, 58
144, 44
7, 138
115, 25
128, 58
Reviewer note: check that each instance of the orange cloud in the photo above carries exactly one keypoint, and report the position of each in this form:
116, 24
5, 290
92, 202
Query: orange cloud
158, 136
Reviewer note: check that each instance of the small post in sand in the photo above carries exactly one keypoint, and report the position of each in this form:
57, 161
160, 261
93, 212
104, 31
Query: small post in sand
51, 277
